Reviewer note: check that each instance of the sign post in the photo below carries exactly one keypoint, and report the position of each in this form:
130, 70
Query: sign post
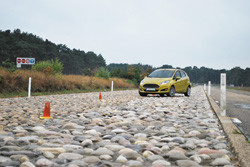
223, 84
29, 89
112, 86
26, 61
205, 87
209, 88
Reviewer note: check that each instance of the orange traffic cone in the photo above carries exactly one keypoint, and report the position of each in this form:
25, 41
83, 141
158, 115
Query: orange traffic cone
46, 113
100, 96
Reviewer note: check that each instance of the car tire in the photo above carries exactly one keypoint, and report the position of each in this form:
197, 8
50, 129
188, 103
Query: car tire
162, 95
188, 92
142, 94
171, 92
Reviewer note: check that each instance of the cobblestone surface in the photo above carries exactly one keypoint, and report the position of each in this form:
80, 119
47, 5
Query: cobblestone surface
124, 129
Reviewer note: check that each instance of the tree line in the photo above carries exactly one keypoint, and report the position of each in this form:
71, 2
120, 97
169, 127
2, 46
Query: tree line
236, 76
21, 44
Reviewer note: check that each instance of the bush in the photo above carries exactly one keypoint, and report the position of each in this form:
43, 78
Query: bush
103, 73
49, 67
9, 65
87, 72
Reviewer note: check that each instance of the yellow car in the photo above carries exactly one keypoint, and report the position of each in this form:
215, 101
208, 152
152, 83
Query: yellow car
165, 82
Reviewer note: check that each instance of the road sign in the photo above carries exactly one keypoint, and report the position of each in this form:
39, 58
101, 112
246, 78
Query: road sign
23, 60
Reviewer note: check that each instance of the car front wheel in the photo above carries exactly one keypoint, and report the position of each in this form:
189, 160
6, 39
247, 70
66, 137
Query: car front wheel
188, 92
171, 92
142, 94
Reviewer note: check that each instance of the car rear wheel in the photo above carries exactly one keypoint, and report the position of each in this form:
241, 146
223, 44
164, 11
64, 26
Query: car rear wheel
142, 94
171, 92
188, 92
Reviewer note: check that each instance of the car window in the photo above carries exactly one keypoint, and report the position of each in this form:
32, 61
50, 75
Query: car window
182, 74
177, 74
161, 74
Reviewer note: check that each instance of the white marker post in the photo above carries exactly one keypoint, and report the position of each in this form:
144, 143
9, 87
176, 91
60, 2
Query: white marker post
29, 89
205, 87
209, 88
223, 102
112, 86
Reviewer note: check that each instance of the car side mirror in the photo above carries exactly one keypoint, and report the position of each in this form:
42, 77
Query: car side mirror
177, 78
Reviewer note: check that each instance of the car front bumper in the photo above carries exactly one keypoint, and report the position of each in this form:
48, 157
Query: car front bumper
161, 90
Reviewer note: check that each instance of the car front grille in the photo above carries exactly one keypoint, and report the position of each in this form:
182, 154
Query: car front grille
151, 86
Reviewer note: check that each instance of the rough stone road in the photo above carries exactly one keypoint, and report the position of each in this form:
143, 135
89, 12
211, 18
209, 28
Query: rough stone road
123, 130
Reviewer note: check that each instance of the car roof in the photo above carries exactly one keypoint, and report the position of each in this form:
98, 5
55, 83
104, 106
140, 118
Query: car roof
170, 69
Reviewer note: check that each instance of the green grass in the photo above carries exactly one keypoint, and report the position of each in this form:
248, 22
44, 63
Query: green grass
25, 94
236, 132
248, 141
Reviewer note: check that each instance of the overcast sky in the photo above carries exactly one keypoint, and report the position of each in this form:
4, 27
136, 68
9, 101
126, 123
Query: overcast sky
210, 33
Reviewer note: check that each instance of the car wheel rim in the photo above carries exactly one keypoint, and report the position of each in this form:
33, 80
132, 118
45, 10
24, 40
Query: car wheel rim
172, 92
188, 91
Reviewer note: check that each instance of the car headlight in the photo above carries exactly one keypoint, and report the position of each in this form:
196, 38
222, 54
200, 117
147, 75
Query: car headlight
141, 83
164, 82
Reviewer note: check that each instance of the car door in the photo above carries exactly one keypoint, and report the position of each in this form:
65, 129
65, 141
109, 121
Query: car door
178, 82
184, 81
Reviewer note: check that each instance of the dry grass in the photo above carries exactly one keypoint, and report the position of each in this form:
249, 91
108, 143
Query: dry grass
240, 88
18, 81
120, 83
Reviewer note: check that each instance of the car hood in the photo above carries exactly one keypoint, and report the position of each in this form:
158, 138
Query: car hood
148, 80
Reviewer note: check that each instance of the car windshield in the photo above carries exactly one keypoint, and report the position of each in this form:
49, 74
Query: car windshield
161, 74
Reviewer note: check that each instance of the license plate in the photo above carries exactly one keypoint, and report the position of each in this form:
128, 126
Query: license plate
150, 89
